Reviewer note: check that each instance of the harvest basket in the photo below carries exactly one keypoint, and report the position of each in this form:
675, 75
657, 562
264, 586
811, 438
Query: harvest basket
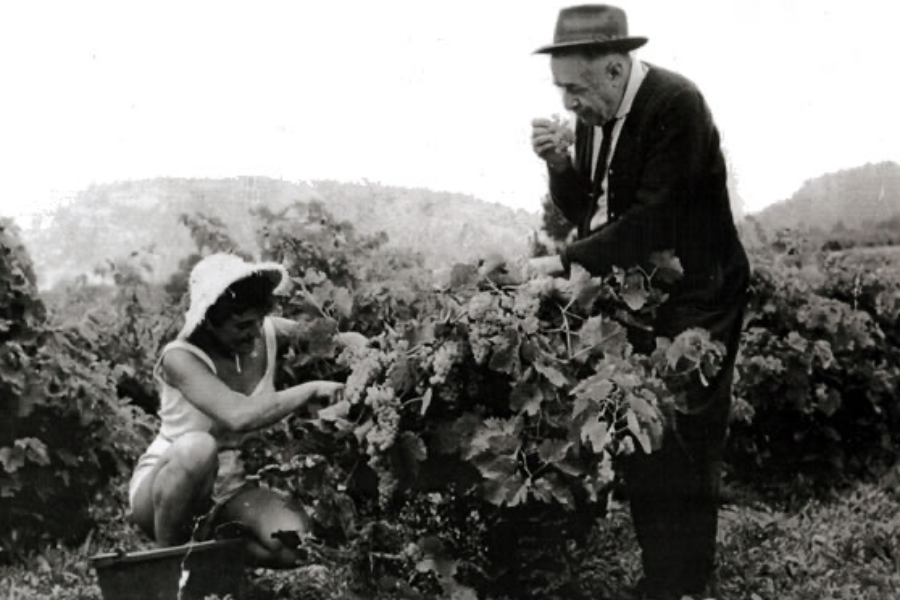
204, 568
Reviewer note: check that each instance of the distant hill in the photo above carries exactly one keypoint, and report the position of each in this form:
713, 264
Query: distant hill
852, 198
114, 220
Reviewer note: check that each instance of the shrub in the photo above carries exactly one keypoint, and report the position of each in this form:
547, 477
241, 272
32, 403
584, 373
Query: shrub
65, 431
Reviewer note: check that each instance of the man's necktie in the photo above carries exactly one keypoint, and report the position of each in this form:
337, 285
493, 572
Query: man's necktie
600, 195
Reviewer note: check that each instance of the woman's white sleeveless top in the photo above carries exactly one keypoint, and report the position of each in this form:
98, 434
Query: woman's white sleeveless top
178, 415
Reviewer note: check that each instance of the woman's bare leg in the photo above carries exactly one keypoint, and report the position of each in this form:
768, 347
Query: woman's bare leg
180, 484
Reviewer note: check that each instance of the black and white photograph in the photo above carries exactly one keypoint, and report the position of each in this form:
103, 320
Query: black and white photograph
432, 300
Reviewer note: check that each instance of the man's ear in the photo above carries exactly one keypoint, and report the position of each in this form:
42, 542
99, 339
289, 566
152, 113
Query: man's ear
615, 68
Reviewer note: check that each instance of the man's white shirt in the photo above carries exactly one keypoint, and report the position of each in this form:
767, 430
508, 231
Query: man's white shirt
635, 79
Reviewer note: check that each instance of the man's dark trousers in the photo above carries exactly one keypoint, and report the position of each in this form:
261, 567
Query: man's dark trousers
674, 491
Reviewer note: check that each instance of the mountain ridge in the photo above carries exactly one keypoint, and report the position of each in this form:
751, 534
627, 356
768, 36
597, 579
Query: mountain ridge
113, 220
855, 197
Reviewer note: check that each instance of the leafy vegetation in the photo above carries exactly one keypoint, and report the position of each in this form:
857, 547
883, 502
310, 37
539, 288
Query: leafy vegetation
509, 399
817, 394
65, 431
475, 452
840, 548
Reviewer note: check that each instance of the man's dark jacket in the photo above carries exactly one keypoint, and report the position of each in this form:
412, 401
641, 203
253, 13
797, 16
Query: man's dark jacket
667, 191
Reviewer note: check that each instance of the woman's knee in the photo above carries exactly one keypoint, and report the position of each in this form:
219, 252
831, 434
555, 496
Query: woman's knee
196, 453
189, 468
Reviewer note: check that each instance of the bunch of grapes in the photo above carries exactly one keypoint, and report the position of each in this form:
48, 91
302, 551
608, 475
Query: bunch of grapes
386, 416
381, 436
526, 304
388, 482
367, 368
563, 133
488, 316
442, 362
369, 365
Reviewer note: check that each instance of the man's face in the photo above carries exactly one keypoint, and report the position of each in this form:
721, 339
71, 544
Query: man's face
591, 88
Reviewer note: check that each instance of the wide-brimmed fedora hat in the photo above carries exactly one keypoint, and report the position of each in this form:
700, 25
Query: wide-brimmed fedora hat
598, 25
216, 273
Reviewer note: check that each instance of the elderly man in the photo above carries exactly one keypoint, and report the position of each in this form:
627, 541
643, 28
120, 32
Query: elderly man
647, 175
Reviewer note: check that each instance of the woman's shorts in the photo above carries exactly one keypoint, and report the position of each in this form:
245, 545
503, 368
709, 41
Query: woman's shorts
230, 480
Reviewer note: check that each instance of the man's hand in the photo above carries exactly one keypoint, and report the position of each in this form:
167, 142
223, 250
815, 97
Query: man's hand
492, 263
498, 269
545, 265
550, 140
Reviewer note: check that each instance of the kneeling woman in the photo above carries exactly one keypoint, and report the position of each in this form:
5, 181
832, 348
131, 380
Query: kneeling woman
217, 383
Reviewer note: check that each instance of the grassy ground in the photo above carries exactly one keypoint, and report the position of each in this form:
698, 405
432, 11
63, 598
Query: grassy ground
847, 547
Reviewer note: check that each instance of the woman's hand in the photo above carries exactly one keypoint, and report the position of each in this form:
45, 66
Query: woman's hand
324, 393
328, 392
328, 404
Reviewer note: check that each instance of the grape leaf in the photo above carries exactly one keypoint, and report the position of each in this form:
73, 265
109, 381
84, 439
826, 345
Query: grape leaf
553, 375
401, 376
311, 277
596, 433
497, 435
505, 355
600, 334
828, 400
436, 559
320, 338
521, 495
651, 417
12, 459
492, 466
668, 267
503, 490
797, 342
463, 276
458, 591
585, 289
634, 293
418, 334
558, 489
688, 347
526, 397
597, 387
413, 446
343, 301
553, 451
456, 436
570, 467
540, 489
635, 428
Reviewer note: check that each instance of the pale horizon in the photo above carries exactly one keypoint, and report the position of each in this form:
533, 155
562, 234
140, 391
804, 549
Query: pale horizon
424, 94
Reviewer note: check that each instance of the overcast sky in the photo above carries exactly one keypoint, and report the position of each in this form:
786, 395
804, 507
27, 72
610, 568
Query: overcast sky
435, 94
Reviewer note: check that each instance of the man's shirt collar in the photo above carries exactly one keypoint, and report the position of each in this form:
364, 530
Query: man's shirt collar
638, 73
